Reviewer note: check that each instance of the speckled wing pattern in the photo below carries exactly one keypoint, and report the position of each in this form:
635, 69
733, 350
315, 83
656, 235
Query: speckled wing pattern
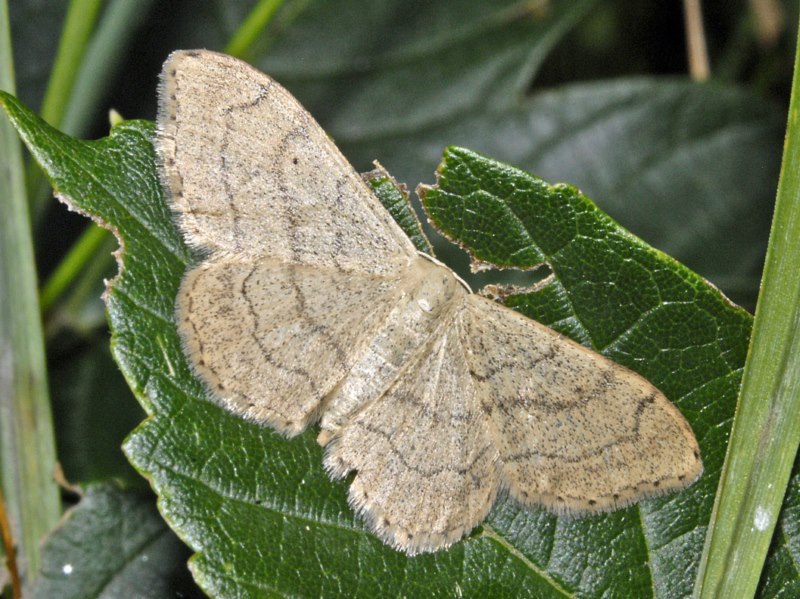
311, 306
574, 431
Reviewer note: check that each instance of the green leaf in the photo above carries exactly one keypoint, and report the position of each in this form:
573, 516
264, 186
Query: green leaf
260, 510
395, 199
113, 544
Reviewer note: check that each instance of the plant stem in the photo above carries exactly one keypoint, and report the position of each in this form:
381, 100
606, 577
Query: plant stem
27, 446
766, 430
11, 551
699, 68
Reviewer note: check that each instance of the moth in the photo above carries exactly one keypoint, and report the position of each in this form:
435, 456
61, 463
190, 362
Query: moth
311, 306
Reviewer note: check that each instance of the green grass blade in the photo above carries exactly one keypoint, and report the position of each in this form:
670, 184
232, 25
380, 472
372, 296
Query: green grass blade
84, 250
105, 52
251, 28
766, 431
78, 26
118, 23
107, 46
27, 453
